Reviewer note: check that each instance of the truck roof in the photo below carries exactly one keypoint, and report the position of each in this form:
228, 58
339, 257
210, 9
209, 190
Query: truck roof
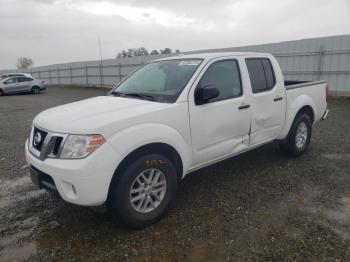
212, 55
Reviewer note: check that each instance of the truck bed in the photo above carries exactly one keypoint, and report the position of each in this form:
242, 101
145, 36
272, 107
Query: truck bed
300, 93
291, 84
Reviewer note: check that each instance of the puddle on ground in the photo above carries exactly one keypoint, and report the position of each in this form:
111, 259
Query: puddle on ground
345, 156
9, 185
336, 219
20, 226
18, 253
339, 218
13, 191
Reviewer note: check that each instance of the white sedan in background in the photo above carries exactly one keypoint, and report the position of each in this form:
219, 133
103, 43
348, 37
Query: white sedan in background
19, 84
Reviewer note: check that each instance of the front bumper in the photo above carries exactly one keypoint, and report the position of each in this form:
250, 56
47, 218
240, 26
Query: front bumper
80, 181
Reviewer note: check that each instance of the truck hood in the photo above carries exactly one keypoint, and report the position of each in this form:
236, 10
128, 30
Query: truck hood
92, 116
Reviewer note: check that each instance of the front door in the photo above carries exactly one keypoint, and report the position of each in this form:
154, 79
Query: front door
10, 85
220, 127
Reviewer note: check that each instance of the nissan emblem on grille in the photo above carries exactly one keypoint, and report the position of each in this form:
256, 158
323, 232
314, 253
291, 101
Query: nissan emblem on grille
37, 139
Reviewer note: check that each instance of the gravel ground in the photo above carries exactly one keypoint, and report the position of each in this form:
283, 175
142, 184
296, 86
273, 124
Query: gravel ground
261, 205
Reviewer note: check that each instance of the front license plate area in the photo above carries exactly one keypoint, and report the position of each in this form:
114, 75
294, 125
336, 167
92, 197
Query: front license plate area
34, 177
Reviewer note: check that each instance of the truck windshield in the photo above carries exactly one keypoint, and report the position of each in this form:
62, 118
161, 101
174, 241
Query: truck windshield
160, 81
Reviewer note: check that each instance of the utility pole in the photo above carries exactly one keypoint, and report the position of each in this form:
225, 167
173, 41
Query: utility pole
99, 46
101, 66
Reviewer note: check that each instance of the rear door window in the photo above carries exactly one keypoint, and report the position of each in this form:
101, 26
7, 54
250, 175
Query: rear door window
269, 74
262, 77
24, 79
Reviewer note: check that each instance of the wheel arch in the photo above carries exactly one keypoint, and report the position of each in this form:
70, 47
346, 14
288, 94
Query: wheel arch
303, 104
153, 148
307, 109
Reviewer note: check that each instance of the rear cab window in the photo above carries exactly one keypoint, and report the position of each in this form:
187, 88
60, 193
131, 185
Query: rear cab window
261, 74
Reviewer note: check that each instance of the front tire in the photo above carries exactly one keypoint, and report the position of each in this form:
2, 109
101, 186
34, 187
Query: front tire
1, 92
299, 136
143, 191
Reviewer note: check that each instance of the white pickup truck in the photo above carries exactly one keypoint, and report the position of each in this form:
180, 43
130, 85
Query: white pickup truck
172, 116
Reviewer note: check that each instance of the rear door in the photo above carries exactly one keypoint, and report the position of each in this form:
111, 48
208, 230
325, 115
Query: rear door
219, 127
268, 101
24, 84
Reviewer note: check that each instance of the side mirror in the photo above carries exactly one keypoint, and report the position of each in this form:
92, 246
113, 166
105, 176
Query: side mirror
204, 94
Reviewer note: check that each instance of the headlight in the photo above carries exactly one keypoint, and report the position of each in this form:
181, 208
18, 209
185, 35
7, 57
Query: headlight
80, 146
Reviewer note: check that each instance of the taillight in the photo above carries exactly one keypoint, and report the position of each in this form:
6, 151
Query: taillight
327, 91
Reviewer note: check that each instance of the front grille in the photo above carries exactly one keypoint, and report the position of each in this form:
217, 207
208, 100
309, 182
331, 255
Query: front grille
57, 146
45, 144
38, 138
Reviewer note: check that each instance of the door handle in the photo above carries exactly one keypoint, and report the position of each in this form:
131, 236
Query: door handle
278, 98
244, 106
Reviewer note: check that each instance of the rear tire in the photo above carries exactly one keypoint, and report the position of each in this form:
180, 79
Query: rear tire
299, 136
35, 90
1, 92
143, 191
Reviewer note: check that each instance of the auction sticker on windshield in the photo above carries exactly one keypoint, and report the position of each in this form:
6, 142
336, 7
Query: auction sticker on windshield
190, 63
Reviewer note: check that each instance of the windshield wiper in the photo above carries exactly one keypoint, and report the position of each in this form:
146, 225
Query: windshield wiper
116, 93
134, 94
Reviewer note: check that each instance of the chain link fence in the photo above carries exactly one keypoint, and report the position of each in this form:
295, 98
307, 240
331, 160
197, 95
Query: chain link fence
325, 58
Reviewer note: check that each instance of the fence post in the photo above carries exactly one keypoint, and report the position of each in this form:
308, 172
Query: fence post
86, 74
59, 76
120, 72
39, 75
70, 74
50, 82
101, 71
320, 62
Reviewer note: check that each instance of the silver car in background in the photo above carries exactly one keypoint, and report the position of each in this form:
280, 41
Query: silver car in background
7, 75
20, 84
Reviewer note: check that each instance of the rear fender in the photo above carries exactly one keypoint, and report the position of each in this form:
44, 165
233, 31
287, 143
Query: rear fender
293, 109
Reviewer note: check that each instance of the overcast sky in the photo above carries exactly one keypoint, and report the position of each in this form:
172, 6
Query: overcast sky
57, 31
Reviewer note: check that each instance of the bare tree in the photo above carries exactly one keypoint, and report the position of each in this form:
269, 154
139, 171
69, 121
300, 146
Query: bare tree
24, 62
154, 52
141, 51
122, 54
166, 51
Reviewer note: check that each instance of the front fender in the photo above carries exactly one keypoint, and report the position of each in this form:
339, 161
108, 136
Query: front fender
132, 138
292, 110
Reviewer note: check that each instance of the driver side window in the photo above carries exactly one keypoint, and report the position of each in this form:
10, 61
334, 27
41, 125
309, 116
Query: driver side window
225, 76
11, 81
